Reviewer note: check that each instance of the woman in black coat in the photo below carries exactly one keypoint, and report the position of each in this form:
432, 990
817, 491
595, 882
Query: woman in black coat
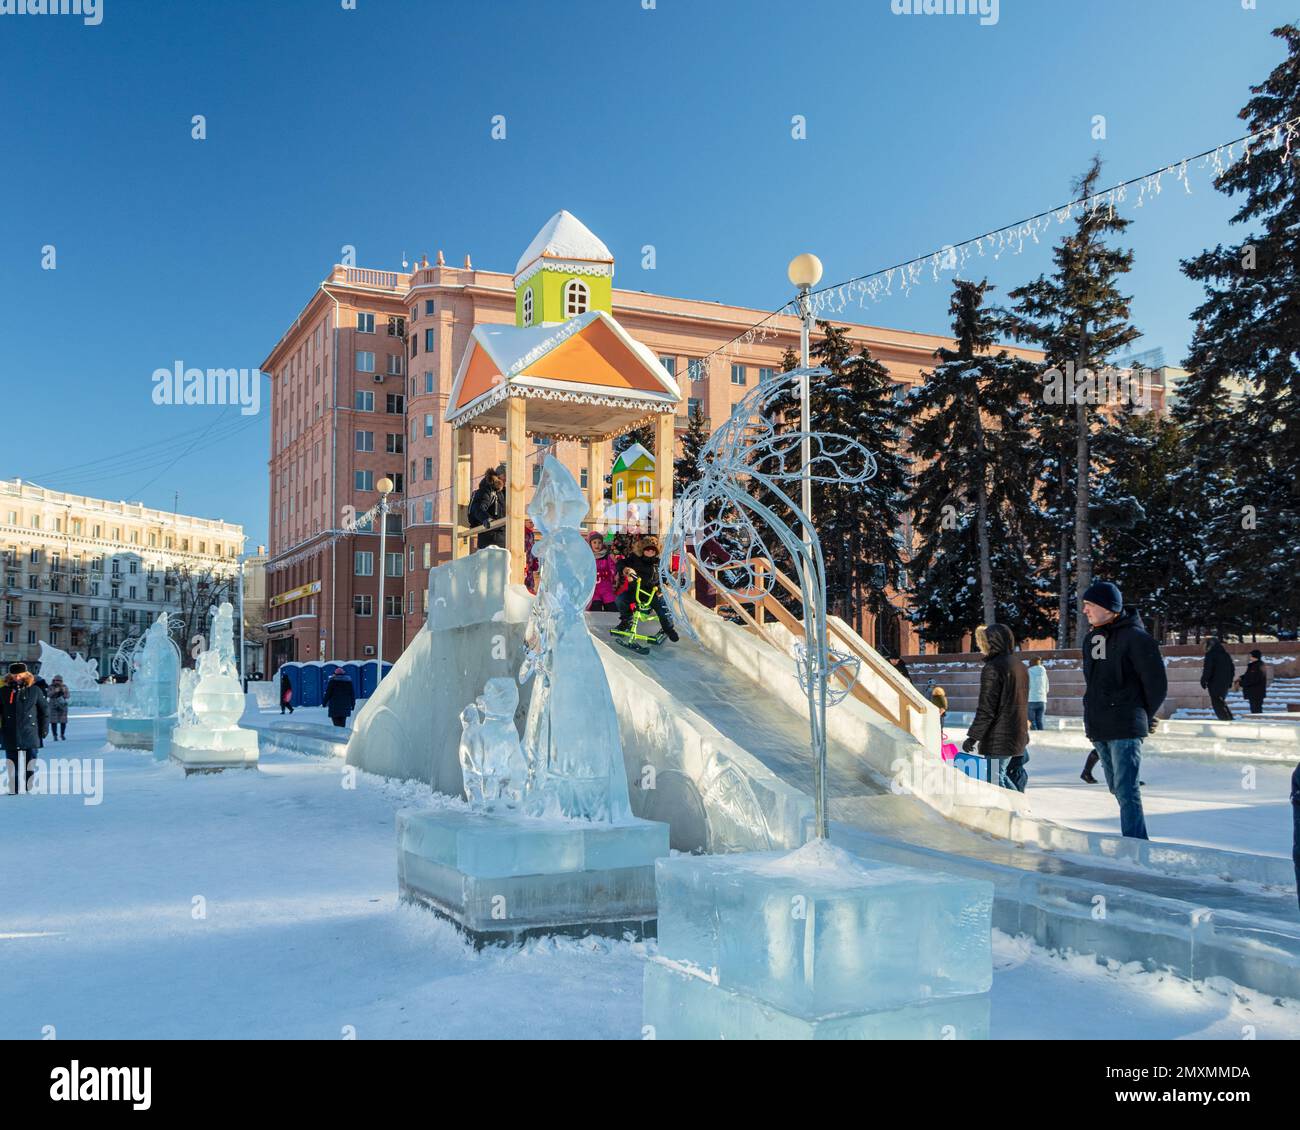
1001, 725
339, 697
1216, 677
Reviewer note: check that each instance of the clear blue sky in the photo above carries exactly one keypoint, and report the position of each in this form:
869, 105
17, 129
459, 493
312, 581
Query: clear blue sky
670, 127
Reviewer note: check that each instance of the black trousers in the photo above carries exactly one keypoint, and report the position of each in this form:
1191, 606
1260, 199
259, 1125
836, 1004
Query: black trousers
1221, 711
1256, 700
11, 769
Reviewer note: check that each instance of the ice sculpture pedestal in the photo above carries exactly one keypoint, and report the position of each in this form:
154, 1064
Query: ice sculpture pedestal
130, 733
200, 750
502, 877
816, 944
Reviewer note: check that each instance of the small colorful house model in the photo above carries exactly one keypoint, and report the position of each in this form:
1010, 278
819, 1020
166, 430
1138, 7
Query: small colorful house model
632, 488
566, 370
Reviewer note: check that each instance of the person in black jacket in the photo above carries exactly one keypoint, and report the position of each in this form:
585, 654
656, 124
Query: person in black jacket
1254, 682
487, 505
24, 722
1001, 725
1295, 833
1216, 677
1126, 685
896, 662
339, 697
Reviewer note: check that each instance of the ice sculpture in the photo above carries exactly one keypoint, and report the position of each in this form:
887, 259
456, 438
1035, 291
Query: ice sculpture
144, 717
571, 738
79, 674
209, 739
491, 757
185, 715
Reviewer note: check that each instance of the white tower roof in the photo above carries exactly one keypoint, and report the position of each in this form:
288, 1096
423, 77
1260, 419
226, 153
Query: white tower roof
564, 236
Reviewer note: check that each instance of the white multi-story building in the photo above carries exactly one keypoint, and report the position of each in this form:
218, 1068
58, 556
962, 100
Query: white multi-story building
84, 573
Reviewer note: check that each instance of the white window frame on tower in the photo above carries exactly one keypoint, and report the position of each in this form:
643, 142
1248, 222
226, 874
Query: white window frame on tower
528, 306
572, 289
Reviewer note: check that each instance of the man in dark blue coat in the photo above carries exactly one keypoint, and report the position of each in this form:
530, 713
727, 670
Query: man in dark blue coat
1126, 685
24, 722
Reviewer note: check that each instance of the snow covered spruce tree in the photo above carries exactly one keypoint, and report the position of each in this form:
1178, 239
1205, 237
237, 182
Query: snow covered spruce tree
977, 523
1079, 318
1241, 404
686, 467
859, 525
1155, 530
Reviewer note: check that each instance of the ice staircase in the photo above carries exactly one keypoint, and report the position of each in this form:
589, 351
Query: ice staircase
717, 743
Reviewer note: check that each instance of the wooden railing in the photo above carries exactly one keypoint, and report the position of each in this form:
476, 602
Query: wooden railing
842, 638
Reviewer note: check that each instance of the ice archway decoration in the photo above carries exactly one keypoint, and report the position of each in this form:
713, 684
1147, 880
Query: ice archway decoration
751, 468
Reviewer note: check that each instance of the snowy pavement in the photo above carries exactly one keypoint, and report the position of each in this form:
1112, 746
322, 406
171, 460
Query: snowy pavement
263, 904
1231, 805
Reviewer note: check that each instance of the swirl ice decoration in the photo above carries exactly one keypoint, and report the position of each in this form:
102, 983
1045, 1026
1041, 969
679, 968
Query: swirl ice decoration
730, 518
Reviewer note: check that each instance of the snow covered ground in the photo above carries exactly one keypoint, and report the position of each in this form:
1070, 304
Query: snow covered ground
263, 904
1238, 806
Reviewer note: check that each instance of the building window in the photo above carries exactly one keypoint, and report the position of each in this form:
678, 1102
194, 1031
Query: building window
695, 369
644, 487
618, 488
365, 323
428, 306
428, 554
737, 374
392, 604
396, 326
365, 441
394, 364
428, 341
393, 564
365, 361
396, 443
428, 382
396, 404
428, 468
693, 405
399, 487
363, 563
766, 375
428, 424
428, 510
364, 401
361, 604
363, 480
528, 306
582, 478
575, 298
669, 363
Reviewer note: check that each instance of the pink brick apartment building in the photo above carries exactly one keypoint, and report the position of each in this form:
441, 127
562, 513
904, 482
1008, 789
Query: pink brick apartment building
360, 383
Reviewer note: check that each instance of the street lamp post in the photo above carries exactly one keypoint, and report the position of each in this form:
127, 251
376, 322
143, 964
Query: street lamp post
385, 487
805, 272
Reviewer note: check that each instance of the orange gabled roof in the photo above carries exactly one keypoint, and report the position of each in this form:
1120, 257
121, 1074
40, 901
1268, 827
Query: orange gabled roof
590, 351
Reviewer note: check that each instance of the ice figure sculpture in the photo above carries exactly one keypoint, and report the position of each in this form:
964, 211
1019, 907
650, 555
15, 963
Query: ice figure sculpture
571, 739
491, 757
185, 715
209, 737
79, 674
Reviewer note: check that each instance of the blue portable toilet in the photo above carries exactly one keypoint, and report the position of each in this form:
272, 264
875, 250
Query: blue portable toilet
292, 672
311, 684
369, 677
353, 671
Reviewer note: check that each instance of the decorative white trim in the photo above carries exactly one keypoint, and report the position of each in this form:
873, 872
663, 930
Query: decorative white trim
505, 391
565, 267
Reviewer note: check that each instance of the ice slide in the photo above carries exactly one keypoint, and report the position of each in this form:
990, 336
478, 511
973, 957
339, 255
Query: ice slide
715, 738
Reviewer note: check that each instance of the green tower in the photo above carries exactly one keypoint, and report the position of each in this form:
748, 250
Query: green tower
566, 271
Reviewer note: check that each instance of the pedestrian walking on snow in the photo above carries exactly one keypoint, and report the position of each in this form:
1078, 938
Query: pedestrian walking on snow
24, 722
1001, 725
57, 699
1216, 677
1038, 686
1254, 682
1126, 684
339, 697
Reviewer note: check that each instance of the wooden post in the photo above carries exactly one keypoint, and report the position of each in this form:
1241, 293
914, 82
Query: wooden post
461, 441
516, 487
596, 482
665, 436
